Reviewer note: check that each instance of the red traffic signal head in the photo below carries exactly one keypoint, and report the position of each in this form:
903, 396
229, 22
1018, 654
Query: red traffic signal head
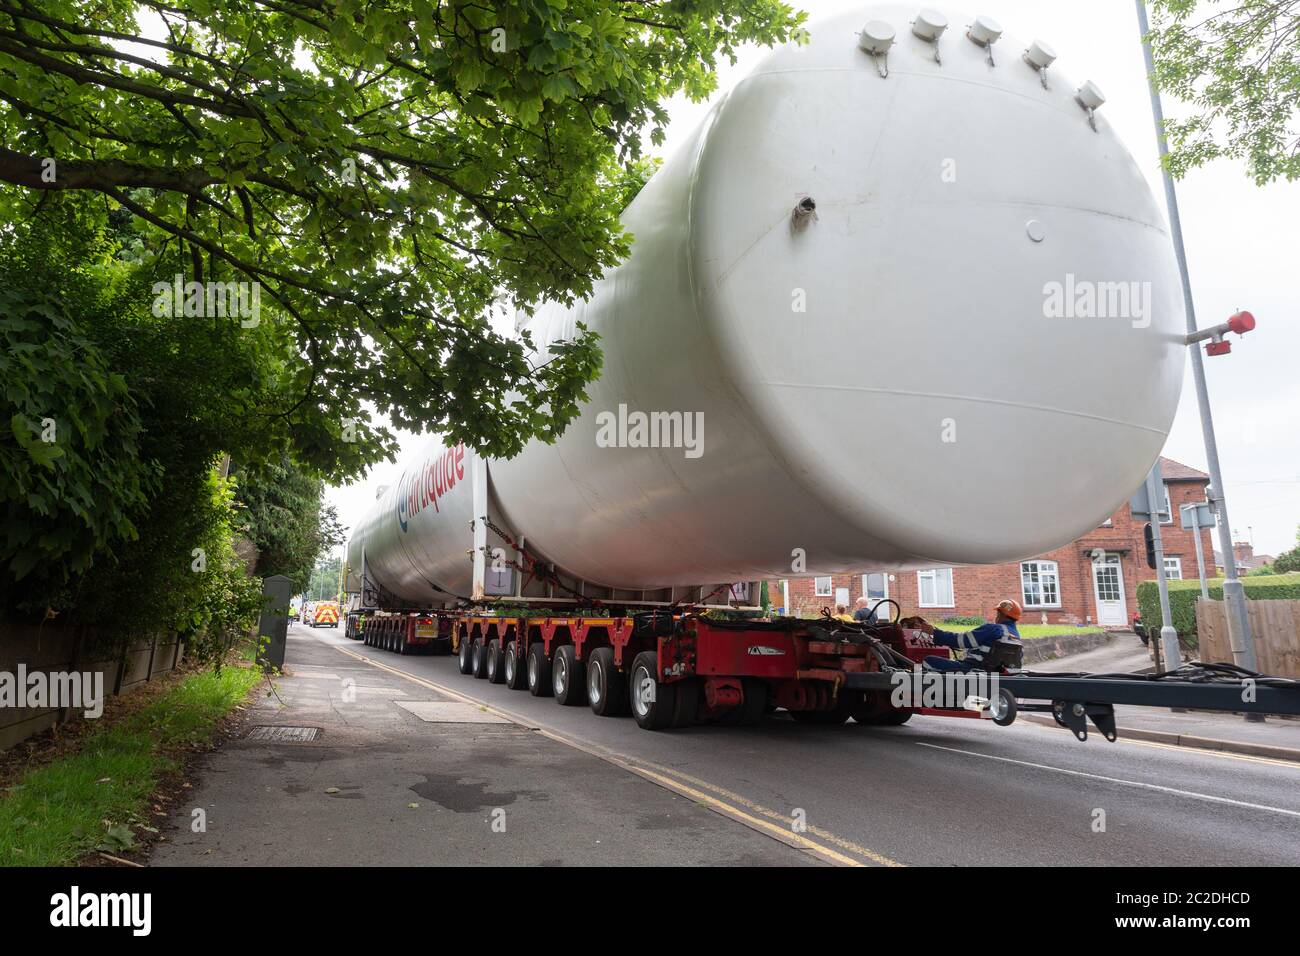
1242, 322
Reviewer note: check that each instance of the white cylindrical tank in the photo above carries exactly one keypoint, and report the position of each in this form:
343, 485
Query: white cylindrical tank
923, 310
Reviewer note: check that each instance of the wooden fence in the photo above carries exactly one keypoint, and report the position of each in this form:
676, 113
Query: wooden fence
63, 649
1275, 625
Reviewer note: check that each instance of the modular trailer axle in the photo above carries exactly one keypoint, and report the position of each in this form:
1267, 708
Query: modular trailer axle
676, 667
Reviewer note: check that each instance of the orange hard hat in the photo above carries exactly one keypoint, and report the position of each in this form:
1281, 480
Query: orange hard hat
1010, 608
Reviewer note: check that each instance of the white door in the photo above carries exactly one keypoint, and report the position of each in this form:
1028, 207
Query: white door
1108, 589
875, 587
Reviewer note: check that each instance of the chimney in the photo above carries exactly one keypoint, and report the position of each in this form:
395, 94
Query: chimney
1243, 551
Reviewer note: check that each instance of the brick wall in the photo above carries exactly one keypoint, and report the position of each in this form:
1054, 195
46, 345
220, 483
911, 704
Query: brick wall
978, 589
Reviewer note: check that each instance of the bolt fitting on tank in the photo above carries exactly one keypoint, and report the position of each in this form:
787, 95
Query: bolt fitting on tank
876, 38
804, 212
929, 26
1040, 56
1091, 99
984, 32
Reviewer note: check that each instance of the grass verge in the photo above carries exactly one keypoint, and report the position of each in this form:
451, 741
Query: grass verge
96, 797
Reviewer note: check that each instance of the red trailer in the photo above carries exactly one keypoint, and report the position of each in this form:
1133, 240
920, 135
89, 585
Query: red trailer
673, 667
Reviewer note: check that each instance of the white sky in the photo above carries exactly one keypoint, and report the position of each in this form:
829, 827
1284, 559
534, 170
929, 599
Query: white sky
1241, 251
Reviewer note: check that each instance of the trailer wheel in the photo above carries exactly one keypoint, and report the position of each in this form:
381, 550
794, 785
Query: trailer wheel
606, 687
515, 673
464, 660
539, 670
402, 647
1004, 708
751, 709
686, 708
875, 710
478, 658
836, 715
495, 672
653, 702
569, 677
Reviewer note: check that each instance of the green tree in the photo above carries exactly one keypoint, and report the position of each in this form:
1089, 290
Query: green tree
285, 519
384, 172
324, 582
1289, 561
1237, 65
73, 476
114, 418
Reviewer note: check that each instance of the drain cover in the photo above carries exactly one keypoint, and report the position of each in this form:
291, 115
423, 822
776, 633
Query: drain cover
289, 735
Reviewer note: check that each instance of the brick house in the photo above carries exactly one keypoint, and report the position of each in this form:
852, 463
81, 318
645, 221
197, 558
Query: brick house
1092, 580
1247, 559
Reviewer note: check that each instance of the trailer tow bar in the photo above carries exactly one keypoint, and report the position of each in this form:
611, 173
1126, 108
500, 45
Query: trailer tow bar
1075, 699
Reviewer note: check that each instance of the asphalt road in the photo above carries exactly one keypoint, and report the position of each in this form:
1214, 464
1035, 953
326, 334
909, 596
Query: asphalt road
397, 774
934, 792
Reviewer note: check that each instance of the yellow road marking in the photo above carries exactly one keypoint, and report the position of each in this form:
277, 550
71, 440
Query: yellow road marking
663, 777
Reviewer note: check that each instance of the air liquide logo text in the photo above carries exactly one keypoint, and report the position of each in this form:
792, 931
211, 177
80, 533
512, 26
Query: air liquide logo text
435, 478
74, 908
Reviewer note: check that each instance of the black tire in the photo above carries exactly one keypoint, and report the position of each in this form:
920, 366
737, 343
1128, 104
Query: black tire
538, 671
464, 661
606, 687
495, 674
568, 677
478, 658
836, 715
751, 709
402, 647
686, 708
875, 710
1005, 708
653, 702
513, 670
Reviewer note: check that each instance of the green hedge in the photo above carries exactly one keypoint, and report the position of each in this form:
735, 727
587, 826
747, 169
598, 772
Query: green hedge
1184, 594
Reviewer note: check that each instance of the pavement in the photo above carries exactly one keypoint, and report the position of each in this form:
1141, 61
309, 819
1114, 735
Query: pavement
401, 775
580, 789
1274, 737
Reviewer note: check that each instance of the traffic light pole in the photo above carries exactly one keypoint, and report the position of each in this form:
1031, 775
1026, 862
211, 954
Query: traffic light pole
1194, 511
1234, 595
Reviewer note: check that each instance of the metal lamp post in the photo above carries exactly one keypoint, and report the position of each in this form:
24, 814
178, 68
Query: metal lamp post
1234, 596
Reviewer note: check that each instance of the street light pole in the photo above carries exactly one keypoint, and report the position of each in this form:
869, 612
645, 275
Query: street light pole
1234, 595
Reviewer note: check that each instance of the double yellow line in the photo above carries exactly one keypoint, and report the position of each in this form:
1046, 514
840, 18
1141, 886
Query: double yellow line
827, 846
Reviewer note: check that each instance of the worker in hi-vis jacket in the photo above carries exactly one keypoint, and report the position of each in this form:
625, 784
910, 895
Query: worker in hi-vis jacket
975, 643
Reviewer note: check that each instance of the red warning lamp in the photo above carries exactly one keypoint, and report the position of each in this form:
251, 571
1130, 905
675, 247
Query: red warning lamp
1240, 322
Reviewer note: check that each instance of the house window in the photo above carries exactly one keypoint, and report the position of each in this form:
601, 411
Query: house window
1040, 583
1167, 511
934, 587
1174, 569
821, 587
